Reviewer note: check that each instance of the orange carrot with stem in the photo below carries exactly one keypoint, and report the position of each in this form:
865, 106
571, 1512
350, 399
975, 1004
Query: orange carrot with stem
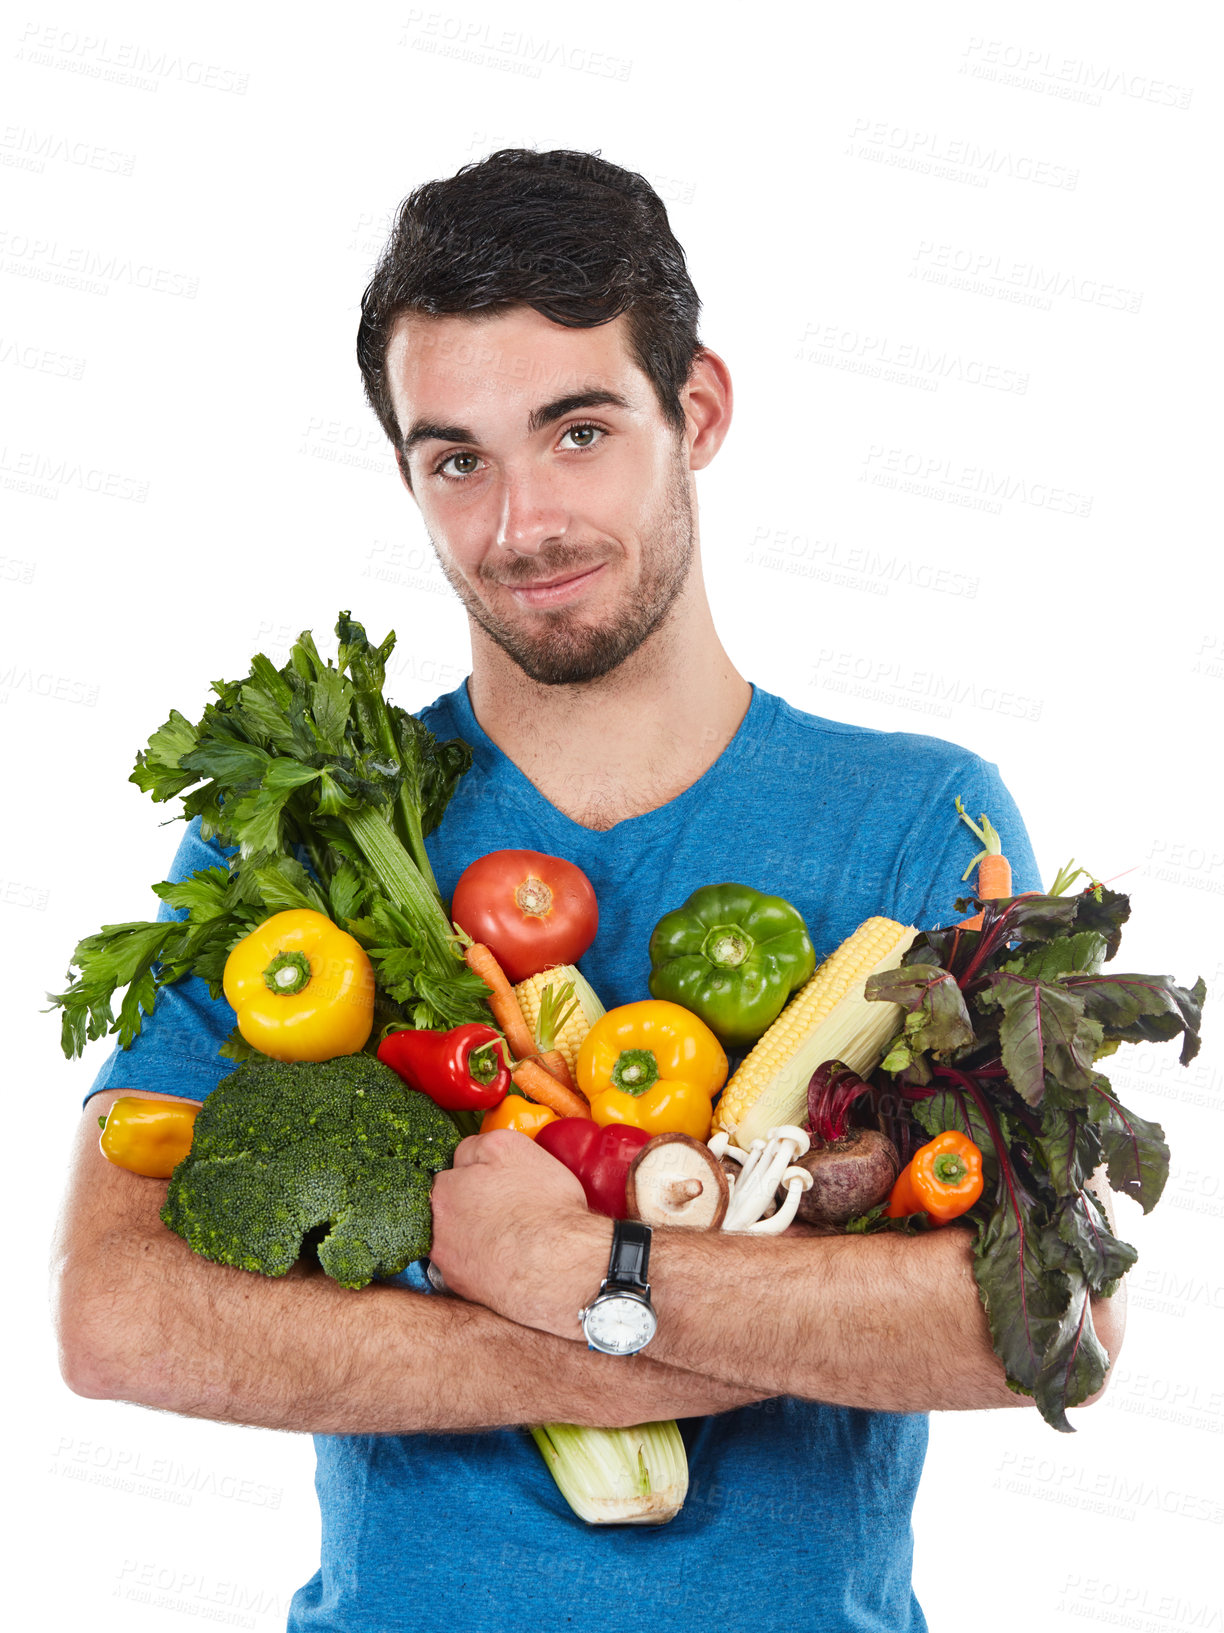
994, 870
507, 1011
541, 1086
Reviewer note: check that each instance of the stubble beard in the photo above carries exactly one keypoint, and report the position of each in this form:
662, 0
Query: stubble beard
560, 649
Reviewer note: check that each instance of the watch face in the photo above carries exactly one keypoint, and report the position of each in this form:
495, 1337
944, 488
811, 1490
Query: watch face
620, 1324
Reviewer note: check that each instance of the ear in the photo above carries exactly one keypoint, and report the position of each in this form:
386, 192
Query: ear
707, 401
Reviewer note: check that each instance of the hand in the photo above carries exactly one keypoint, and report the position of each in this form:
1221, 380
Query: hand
512, 1231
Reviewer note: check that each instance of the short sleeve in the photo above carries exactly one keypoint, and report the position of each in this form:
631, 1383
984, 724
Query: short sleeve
942, 846
176, 1052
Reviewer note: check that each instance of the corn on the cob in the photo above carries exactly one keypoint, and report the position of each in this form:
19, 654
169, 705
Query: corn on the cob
827, 1019
582, 1018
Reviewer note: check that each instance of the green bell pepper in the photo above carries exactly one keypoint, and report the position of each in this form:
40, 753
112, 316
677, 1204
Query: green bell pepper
733, 956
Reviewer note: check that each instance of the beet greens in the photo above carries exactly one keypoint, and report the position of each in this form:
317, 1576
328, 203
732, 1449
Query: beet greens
1003, 1032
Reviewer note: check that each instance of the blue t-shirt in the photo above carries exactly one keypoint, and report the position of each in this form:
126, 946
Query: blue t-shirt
798, 1514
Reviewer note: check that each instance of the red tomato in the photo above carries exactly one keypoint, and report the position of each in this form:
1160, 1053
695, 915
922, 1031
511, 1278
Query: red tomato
529, 909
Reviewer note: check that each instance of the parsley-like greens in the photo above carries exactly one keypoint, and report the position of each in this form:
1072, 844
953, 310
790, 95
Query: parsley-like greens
327, 791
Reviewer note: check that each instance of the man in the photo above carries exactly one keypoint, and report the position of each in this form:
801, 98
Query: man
529, 343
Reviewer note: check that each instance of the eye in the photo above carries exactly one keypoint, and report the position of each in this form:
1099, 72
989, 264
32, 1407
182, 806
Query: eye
465, 465
584, 436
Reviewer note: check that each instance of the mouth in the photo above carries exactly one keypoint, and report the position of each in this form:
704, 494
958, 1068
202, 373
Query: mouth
555, 592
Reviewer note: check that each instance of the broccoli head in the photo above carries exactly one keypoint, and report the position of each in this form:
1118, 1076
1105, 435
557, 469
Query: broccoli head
282, 1152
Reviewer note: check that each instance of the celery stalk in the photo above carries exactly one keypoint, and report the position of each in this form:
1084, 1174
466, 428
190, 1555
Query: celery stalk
633, 1476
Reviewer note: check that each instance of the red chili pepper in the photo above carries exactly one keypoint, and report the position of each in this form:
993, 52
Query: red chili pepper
599, 1156
463, 1069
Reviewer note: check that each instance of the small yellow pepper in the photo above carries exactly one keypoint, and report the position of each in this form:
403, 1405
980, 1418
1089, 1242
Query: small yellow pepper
149, 1137
301, 987
518, 1113
652, 1065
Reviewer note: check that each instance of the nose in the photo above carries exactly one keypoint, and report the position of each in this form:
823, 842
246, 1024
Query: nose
530, 516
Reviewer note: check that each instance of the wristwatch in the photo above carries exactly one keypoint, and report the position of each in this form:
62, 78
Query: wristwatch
620, 1319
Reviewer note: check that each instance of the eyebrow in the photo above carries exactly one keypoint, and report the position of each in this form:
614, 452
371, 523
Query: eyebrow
547, 414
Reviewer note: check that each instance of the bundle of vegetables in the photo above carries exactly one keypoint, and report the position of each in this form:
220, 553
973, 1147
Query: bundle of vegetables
326, 932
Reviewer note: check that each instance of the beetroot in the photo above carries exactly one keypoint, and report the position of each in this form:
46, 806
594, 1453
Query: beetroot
849, 1176
852, 1168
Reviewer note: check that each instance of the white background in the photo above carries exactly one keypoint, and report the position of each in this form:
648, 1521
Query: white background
959, 262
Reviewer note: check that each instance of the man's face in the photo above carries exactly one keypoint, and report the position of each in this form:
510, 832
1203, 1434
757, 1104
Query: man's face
556, 494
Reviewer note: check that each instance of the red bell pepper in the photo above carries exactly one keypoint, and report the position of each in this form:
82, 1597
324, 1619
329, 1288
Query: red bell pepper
463, 1069
599, 1156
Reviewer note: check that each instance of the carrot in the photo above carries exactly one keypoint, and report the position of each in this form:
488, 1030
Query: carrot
541, 1086
507, 1011
994, 878
555, 1064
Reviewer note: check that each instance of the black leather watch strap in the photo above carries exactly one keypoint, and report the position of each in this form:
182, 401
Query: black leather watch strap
630, 1256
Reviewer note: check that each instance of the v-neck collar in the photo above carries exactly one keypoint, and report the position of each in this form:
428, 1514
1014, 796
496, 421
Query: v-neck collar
513, 785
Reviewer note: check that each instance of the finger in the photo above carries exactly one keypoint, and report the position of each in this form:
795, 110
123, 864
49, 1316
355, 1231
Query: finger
469, 1150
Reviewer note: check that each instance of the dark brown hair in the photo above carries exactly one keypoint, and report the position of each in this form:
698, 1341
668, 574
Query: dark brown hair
567, 233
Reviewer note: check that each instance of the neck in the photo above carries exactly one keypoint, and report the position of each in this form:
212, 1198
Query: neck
630, 741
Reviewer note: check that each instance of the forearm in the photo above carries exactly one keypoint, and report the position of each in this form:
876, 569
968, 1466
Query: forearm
303, 1354
887, 1323
144, 1319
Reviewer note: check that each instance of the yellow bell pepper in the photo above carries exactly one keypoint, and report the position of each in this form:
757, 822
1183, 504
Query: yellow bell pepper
149, 1137
652, 1065
301, 987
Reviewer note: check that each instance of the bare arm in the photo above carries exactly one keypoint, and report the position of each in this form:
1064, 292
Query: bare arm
891, 1323
142, 1318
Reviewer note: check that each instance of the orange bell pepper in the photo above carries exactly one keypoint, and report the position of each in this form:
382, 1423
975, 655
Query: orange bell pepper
943, 1179
518, 1113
